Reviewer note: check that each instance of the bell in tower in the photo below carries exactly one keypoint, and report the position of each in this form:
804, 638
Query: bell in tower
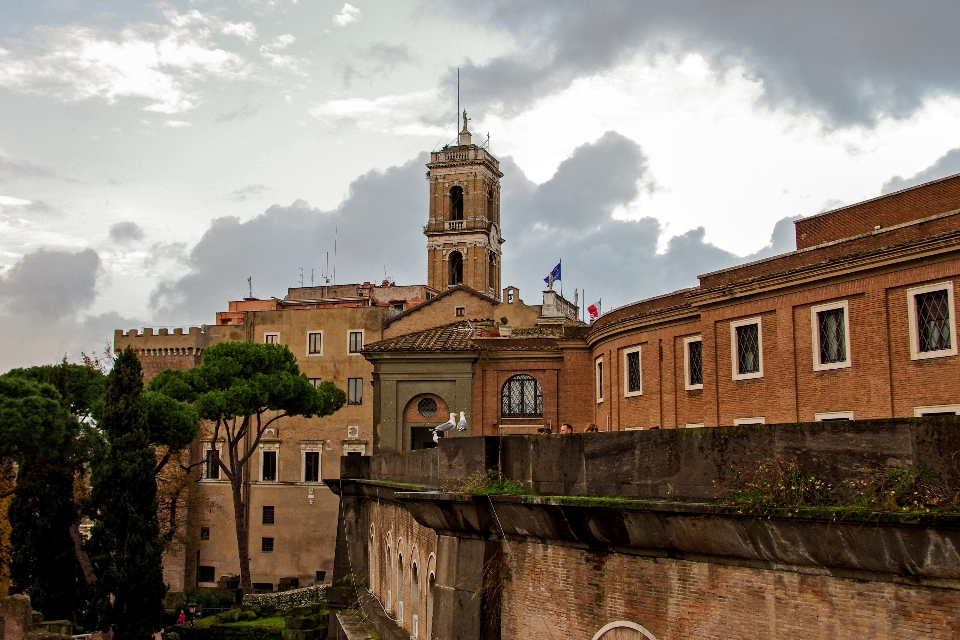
463, 232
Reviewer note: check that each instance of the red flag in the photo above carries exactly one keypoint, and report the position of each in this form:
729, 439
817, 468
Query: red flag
594, 310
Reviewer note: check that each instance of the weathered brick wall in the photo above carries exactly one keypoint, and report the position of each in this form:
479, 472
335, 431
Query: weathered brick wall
882, 381
912, 204
561, 592
392, 528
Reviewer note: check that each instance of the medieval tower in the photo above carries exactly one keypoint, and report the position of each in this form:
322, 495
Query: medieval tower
463, 233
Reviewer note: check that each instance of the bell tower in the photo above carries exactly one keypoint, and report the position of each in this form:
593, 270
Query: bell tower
463, 232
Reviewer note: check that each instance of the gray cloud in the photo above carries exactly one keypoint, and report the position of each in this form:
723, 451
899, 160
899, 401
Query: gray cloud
946, 165
242, 113
50, 283
851, 61
40, 299
12, 169
380, 221
568, 217
249, 191
378, 59
126, 231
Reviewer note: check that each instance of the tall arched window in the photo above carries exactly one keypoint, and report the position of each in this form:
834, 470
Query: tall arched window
456, 267
521, 397
431, 582
456, 203
490, 205
492, 280
388, 570
400, 590
415, 600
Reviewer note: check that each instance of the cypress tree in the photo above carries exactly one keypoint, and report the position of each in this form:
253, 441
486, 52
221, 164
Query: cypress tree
43, 561
125, 547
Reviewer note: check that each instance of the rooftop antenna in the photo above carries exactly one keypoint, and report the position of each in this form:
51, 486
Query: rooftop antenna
457, 117
336, 234
301, 276
250, 285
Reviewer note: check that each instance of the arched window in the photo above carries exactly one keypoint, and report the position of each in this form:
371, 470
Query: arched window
624, 630
431, 582
492, 281
400, 590
387, 572
490, 205
456, 267
415, 600
456, 203
372, 560
521, 397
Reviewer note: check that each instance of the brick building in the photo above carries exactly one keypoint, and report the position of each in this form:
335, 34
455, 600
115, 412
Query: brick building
858, 323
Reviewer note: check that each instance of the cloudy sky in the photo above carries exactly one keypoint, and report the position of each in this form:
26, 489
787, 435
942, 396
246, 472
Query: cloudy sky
153, 155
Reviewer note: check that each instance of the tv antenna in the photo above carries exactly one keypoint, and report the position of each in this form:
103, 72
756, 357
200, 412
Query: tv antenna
301, 275
250, 285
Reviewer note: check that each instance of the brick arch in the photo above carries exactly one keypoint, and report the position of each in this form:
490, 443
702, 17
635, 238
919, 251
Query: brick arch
623, 630
412, 417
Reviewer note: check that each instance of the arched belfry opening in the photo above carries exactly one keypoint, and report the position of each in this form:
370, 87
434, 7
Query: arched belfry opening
490, 204
456, 203
456, 267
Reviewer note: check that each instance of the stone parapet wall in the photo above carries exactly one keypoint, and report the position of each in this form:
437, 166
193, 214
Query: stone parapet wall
676, 464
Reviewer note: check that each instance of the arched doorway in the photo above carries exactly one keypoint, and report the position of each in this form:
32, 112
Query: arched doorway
422, 413
455, 262
623, 630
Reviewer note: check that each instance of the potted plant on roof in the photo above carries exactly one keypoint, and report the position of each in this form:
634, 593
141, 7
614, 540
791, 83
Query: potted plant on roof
504, 328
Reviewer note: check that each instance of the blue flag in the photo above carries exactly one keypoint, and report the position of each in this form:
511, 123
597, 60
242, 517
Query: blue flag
555, 273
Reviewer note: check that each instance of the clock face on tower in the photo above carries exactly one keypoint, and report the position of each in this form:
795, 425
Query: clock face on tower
463, 231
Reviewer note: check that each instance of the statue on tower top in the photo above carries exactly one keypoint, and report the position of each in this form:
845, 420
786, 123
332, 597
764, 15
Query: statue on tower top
465, 133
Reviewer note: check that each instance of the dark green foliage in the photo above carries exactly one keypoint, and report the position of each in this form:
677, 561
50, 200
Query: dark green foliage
240, 379
80, 386
39, 432
125, 545
43, 561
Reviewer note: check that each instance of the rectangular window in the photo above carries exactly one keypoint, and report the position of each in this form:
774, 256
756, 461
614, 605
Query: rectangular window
633, 384
206, 574
271, 338
599, 380
355, 342
321, 576
460, 311
268, 466
832, 416
746, 349
205, 535
693, 363
830, 327
311, 466
937, 410
354, 390
315, 381
737, 422
266, 545
211, 465
268, 512
932, 322
315, 343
